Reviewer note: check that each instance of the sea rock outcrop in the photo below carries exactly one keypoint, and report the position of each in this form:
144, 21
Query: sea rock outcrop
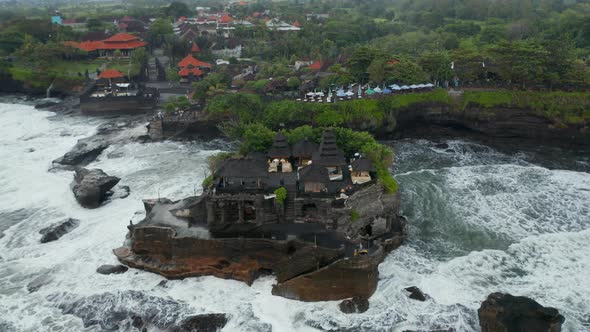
85, 151
312, 261
354, 305
506, 313
416, 293
90, 187
57, 230
112, 269
201, 323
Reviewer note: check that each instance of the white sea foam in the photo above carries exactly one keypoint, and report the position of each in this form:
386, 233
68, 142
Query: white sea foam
542, 214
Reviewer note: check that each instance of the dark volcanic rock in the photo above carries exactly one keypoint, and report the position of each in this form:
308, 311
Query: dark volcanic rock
354, 305
506, 313
133, 310
416, 293
201, 323
90, 187
112, 269
84, 152
46, 104
57, 230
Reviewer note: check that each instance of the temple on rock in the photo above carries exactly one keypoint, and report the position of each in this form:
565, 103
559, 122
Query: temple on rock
316, 179
315, 217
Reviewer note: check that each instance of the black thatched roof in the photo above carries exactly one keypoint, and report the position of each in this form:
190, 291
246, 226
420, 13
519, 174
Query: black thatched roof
280, 148
363, 165
305, 148
314, 173
329, 154
243, 168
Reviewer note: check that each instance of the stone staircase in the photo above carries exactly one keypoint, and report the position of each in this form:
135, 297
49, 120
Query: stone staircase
290, 202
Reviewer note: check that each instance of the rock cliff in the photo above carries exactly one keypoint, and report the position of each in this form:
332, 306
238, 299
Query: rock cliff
506, 313
311, 262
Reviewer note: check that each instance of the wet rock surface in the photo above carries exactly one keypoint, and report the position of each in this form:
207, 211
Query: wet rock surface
91, 187
119, 131
133, 310
354, 305
416, 293
57, 230
506, 313
112, 269
201, 323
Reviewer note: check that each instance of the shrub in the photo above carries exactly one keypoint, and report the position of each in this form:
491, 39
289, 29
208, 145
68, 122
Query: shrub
354, 215
281, 195
207, 182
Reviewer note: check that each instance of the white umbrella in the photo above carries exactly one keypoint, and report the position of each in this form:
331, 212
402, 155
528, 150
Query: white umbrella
404, 87
429, 85
349, 93
311, 94
378, 90
413, 86
421, 86
320, 94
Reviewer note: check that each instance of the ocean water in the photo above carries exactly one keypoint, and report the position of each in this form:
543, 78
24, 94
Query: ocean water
481, 221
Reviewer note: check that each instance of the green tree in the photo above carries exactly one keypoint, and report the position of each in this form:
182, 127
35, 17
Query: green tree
377, 70
437, 65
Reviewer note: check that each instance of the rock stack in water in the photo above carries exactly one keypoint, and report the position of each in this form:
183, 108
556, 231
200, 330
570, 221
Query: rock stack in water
57, 230
506, 313
91, 187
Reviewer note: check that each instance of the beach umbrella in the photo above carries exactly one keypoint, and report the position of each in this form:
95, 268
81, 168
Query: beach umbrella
386, 91
340, 93
311, 94
378, 90
349, 93
395, 87
404, 87
320, 94
429, 85
421, 86
413, 86
370, 91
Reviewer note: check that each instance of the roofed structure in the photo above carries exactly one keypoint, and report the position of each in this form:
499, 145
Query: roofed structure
304, 150
243, 168
123, 42
362, 165
329, 154
190, 60
110, 74
280, 147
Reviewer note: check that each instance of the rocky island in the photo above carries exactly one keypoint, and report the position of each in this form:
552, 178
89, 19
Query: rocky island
319, 220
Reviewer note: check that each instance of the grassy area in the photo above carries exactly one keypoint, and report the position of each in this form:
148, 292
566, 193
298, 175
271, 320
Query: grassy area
568, 107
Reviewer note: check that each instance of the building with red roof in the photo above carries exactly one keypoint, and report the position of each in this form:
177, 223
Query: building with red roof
297, 24
316, 65
191, 68
123, 42
195, 48
110, 74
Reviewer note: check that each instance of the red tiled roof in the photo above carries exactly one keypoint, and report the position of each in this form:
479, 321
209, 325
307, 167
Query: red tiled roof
190, 60
90, 45
127, 18
110, 73
316, 65
123, 25
212, 18
195, 48
182, 18
187, 71
121, 37
297, 24
225, 19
